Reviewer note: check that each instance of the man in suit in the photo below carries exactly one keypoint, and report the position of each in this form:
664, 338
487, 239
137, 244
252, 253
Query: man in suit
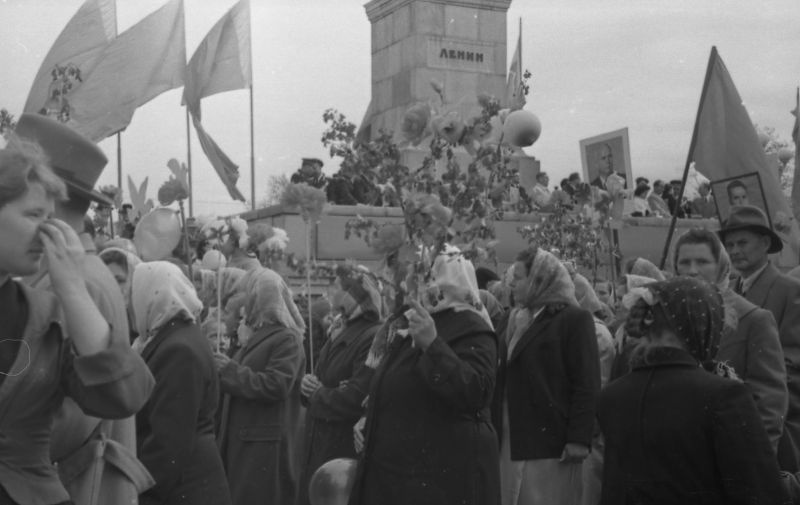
749, 241
703, 206
605, 167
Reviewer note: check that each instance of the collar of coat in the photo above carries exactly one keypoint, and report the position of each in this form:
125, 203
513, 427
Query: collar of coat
665, 356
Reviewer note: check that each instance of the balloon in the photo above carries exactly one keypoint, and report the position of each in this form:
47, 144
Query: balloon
157, 234
332, 482
213, 260
763, 138
785, 154
521, 128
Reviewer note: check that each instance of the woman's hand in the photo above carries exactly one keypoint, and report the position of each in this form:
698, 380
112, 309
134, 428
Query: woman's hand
221, 360
309, 385
420, 325
358, 435
574, 453
64, 254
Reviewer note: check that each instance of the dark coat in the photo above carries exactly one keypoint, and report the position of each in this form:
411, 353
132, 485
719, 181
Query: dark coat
428, 436
337, 405
676, 434
780, 294
175, 429
551, 382
261, 417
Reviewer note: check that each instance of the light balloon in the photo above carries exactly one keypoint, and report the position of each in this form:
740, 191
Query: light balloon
157, 234
521, 128
213, 260
332, 482
785, 154
763, 138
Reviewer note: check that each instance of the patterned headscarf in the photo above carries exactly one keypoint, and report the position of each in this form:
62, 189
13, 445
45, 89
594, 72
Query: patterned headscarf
358, 296
160, 293
131, 260
692, 308
548, 283
267, 300
645, 268
453, 286
585, 294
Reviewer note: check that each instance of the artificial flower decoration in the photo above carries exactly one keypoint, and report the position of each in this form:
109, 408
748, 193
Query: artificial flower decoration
310, 201
388, 239
415, 123
113, 193
264, 237
139, 201
218, 231
176, 188
449, 126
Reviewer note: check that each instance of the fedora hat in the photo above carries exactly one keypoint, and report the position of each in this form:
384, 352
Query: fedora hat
748, 217
73, 157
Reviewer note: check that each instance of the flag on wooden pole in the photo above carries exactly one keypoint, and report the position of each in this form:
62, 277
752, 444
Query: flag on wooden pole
726, 145
72, 58
221, 63
515, 94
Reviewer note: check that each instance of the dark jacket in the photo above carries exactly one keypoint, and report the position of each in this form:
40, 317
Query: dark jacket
261, 416
551, 383
780, 294
676, 434
337, 405
428, 436
175, 429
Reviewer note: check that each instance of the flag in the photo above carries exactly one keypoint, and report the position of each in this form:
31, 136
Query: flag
796, 139
141, 63
725, 144
220, 63
72, 57
515, 95
222, 60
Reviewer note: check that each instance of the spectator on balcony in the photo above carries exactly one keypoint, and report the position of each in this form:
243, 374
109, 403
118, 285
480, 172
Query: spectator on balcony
310, 172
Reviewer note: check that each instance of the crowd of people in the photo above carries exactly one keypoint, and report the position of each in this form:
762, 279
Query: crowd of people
526, 387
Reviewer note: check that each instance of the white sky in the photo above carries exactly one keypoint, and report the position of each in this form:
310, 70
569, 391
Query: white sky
597, 66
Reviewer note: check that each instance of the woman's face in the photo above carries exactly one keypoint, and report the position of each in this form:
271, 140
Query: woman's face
120, 274
696, 260
518, 287
21, 249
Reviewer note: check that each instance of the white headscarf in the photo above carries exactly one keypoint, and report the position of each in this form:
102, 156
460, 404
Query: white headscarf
160, 293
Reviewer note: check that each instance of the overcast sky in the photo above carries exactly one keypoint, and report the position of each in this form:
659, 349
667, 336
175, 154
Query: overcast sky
597, 66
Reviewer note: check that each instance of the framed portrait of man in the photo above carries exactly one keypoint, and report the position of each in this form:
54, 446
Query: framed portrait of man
745, 189
605, 154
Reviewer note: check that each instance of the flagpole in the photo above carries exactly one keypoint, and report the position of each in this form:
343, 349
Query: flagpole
711, 59
252, 156
189, 162
119, 160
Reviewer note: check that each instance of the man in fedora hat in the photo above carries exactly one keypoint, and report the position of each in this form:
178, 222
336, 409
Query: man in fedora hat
76, 438
750, 240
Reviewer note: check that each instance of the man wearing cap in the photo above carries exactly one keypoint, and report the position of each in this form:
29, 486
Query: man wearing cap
310, 172
750, 240
76, 438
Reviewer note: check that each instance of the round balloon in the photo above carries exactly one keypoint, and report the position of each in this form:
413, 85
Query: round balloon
332, 482
521, 128
785, 154
213, 260
763, 138
157, 234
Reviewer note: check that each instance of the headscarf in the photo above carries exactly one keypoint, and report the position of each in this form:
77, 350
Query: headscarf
692, 308
586, 296
131, 260
229, 280
358, 296
645, 268
453, 286
548, 283
267, 300
161, 293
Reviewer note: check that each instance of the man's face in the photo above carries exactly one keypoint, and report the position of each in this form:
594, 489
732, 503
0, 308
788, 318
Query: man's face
747, 249
603, 292
658, 188
739, 196
606, 165
544, 180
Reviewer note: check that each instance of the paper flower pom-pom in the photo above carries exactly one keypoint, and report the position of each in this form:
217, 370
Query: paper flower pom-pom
171, 191
415, 123
390, 238
449, 126
310, 201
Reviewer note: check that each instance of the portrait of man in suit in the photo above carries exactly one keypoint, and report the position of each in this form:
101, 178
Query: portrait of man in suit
604, 155
744, 189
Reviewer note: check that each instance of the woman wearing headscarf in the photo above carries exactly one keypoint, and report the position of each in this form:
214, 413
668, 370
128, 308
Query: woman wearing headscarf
428, 435
121, 263
335, 393
749, 342
175, 429
229, 281
548, 387
681, 428
261, 412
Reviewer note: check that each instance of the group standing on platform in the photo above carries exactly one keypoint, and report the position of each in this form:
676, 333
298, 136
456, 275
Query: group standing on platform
532, 386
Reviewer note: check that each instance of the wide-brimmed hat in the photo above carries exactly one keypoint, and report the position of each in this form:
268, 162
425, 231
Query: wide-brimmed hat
748, 217
74, 158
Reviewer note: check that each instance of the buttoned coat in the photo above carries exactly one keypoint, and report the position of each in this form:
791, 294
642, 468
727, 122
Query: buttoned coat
754, 351
551, 381
175, 429
676, 434
335, 407
261, 417
429, 439
780, 294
